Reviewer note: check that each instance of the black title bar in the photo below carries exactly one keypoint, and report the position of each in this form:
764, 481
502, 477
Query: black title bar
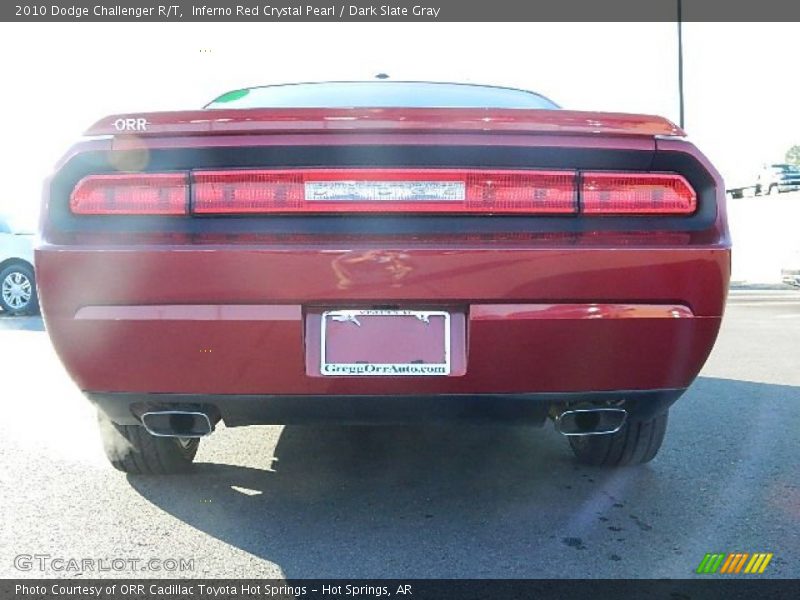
400, 10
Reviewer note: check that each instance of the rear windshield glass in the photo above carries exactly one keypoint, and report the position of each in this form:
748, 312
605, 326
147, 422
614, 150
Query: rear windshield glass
381, 94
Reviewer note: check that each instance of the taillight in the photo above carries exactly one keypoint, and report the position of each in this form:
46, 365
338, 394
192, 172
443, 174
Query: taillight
379, 191
131, 194
636, 194
384, 191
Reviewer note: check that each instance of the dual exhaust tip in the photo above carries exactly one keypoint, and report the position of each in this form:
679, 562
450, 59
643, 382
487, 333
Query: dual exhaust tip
591, 421
177, 423
195, 424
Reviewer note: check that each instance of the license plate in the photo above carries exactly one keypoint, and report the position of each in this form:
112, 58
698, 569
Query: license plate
389, 343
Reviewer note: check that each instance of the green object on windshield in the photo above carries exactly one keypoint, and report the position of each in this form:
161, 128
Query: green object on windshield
231, 96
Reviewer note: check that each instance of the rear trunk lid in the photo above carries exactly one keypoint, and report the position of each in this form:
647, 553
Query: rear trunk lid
407, 120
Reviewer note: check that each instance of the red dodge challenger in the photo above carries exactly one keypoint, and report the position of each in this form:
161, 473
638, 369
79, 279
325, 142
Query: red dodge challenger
382, 252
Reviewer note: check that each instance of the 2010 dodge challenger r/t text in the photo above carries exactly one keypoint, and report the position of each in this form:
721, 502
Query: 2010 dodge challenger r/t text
382, 252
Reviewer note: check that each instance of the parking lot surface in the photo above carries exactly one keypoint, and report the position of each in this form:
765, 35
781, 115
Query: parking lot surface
444, 501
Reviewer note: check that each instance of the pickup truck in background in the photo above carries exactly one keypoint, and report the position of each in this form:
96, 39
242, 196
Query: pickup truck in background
771, 179
777, 178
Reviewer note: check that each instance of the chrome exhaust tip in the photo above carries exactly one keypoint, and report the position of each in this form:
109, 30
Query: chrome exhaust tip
177, 423
591, 421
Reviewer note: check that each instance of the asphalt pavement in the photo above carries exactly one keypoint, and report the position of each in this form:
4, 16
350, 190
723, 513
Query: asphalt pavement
413, 502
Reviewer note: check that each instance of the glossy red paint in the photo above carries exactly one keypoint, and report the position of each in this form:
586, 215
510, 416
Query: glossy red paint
213, 313
277, 120
191, 312
255, 355
498, 312
289, 312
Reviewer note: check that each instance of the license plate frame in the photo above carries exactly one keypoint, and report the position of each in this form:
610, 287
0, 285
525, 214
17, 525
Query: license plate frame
380, 369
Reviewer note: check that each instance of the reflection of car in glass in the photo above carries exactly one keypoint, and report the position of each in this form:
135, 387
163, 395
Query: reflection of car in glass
778, 178
17, 281
383, 252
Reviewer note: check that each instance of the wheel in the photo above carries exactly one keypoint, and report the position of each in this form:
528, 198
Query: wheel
636, 443
18, 290
130, 449
773, 189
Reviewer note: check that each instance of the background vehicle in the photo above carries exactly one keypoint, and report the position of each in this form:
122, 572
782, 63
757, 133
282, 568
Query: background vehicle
791, 276
17, 279
383, 252
777, 178
790, 273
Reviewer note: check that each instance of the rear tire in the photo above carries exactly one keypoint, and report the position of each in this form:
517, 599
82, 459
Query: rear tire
636, 443
130, 449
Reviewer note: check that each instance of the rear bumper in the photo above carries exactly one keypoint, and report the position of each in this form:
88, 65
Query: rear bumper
237, 410
228, 321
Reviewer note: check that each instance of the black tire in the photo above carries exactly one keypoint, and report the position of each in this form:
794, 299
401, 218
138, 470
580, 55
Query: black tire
22, 272
636, 443
774, 189
130, 449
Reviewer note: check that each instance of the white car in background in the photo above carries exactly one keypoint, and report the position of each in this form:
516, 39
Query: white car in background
17, 279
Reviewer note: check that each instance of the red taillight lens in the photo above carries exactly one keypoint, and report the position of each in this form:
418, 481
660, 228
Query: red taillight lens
384, 191
378, 191
131, 194
636, 194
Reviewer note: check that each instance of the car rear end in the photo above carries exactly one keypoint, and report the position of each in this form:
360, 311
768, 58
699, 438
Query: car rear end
385, 265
